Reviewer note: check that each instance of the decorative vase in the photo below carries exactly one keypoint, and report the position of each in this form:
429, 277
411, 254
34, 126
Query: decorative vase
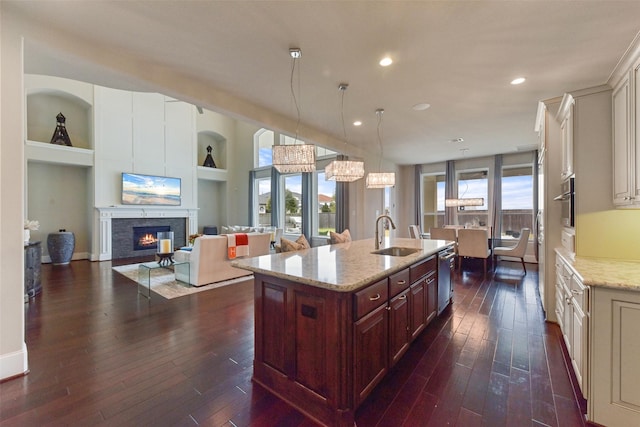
61, 246
27, 236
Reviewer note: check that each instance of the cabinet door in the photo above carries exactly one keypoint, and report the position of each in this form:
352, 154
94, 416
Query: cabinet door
567, 143
621, 145
371, 357
567, 321
418, 305
432, 297
579, 346
398, 326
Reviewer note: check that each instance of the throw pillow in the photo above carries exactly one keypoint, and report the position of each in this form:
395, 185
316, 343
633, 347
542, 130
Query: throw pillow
343, 237
287, 245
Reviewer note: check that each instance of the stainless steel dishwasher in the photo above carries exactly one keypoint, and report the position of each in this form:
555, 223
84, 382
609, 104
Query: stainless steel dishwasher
446, 264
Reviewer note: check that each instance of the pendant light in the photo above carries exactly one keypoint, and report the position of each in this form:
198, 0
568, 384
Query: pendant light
464, 201
294, 158
380, 179
344, 170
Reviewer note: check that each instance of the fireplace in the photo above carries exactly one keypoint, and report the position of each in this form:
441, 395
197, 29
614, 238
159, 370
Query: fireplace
135, 237
145, 237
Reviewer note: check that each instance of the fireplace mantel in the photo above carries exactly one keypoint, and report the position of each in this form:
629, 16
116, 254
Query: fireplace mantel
102, 250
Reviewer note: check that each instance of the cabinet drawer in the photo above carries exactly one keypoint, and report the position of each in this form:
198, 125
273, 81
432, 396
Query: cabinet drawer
580, 294
371, 297
418, 271
398, 282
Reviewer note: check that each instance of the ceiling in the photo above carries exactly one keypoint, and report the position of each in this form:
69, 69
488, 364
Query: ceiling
457, 56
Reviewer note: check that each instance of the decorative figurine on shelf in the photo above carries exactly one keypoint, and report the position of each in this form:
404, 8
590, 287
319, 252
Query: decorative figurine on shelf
208, 161
60, 135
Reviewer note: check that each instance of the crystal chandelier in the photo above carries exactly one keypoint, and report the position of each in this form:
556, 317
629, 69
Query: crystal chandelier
469, 201
380, 179
297, 157
344, 170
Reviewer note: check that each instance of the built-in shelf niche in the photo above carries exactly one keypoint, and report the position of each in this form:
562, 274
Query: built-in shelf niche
219, 145
45, 103
58, 154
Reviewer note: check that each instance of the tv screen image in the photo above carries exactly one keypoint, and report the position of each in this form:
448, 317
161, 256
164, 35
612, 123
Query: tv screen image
140, 189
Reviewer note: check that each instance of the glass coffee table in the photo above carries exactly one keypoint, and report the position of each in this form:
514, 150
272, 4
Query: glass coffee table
146, 269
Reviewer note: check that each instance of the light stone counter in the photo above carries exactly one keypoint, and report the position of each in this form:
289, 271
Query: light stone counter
610, 273
343, 267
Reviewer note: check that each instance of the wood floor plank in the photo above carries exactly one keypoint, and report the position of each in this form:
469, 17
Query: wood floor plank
101, 355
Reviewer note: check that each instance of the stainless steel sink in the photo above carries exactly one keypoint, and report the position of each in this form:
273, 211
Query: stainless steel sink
396, 251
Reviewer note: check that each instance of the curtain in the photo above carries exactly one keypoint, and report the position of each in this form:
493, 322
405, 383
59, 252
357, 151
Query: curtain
450, 191
275, 198
497, 199
307, 205
342, 206
417, 173
536, 208
253, 214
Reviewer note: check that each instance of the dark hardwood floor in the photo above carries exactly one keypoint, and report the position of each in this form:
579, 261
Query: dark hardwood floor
99, 354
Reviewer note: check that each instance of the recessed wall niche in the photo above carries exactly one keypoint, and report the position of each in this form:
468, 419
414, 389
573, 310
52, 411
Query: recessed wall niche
42, 109
219, 145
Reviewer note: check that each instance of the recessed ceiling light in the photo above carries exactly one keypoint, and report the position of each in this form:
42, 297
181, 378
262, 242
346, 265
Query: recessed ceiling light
518, 81
421, 107
357, 123
386, 61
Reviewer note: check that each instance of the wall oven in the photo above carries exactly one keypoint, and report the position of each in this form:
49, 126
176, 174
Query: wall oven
567, 200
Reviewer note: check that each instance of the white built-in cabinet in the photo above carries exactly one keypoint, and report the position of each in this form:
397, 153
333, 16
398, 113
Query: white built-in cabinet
565, 118
572, 312
615, 346
626, 139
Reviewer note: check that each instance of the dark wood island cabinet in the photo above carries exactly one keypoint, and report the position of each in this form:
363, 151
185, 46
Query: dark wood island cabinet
322, 344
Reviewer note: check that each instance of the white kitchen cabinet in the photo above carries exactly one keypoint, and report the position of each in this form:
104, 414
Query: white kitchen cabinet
614, 348
626, 137
565, 118
572, 312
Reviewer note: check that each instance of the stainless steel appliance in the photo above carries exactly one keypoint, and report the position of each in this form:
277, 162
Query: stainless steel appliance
446, 264
567, 200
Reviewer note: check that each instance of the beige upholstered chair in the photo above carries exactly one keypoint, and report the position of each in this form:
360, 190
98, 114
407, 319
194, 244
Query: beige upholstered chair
473, 243
516, 251
414, 232
443, 233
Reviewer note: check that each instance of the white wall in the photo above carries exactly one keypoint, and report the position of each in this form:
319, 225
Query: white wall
13, 351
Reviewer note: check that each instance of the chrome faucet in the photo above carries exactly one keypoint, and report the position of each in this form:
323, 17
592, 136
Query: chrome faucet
377, 222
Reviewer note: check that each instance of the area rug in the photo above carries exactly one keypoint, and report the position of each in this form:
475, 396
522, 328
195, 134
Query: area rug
163, 282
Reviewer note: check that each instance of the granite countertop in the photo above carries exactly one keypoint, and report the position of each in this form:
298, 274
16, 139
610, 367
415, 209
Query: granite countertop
344, 267
605, 272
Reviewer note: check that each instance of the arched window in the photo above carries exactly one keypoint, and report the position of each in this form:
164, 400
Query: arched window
263, 143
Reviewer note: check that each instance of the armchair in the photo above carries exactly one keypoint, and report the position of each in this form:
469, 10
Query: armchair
516, 251
473, 243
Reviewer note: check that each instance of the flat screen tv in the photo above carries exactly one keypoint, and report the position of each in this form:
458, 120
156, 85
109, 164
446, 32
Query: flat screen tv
140, 189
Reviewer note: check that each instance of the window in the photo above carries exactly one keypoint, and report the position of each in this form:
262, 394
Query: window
263, 207
292, 203
473, 184
263, 143
433, 187
326, 208
517, 201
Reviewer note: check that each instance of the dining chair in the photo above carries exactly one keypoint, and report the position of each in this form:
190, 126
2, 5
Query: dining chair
414, 232
516, 251
473, 243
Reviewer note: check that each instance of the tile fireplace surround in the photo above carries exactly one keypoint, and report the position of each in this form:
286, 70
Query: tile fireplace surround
103, 249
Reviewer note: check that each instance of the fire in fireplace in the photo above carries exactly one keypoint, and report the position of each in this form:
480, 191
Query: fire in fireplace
145, 237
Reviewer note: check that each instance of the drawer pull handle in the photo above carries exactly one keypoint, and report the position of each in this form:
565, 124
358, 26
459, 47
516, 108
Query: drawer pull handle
430, 281
402, 297
376, 298
576, 292
401, 282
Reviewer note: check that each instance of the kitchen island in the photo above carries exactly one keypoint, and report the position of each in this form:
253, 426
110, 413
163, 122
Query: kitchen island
331, 321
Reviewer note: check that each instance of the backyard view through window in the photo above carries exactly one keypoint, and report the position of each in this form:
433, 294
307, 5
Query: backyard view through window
473, 185
517, 201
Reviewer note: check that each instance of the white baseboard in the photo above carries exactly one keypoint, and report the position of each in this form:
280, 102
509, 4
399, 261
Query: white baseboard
15, 363
46, 259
